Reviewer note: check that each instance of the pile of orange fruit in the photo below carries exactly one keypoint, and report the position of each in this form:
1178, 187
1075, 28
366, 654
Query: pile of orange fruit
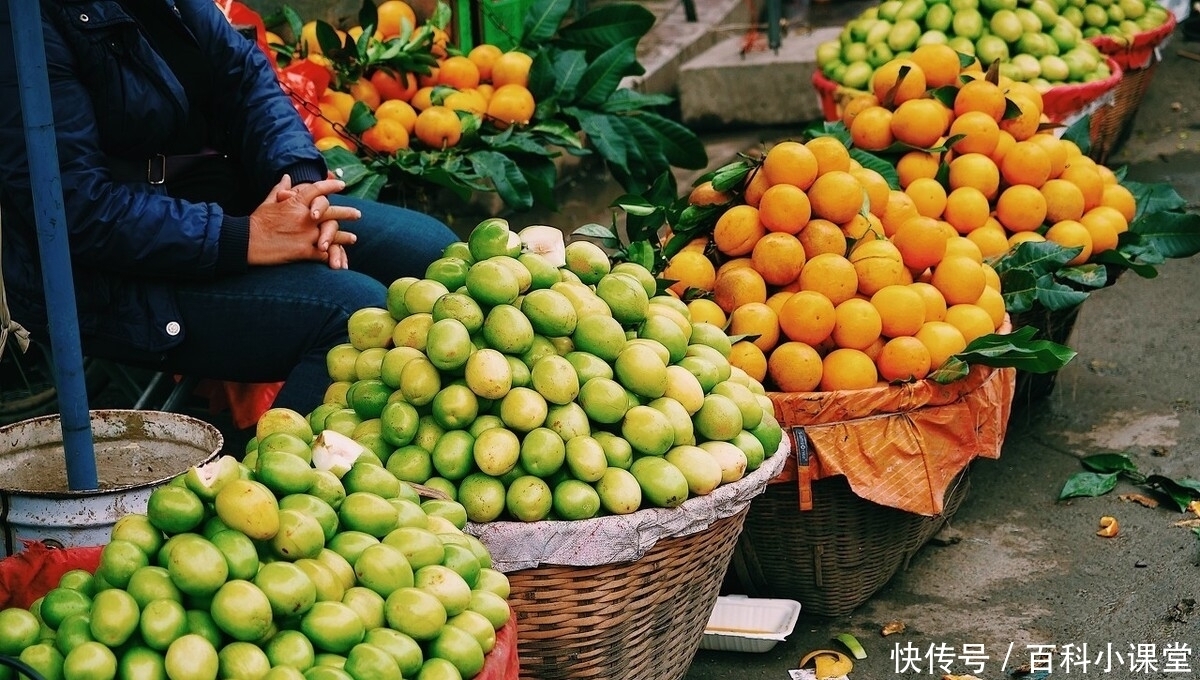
485, 82
839, 281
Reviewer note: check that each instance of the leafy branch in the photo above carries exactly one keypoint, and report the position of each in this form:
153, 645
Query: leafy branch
1103, 470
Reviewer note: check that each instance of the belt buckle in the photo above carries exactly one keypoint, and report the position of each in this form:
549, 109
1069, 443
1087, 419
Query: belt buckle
160, 161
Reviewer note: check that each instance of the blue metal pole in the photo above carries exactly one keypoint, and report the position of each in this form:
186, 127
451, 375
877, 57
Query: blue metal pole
30, 52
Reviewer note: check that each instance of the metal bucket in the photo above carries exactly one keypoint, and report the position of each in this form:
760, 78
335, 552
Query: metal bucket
136, 451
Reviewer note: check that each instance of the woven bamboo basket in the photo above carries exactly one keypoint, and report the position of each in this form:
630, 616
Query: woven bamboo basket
1138, 60
585, 612
836, 556
859, 501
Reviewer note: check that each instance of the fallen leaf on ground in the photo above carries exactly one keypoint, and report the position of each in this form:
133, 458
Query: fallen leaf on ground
1140, 499
1187, 523
893, 627
1194, 507
1108, 527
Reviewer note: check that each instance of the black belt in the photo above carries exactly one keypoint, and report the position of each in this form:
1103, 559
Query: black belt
159, 168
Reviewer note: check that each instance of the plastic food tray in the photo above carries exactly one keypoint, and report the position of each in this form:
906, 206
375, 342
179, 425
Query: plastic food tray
749, 624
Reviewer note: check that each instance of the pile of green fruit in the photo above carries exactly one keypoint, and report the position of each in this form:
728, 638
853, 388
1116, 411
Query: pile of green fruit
1043, 42
530, 379
281, 571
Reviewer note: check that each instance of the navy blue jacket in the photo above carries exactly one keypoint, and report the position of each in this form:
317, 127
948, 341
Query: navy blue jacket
115, 101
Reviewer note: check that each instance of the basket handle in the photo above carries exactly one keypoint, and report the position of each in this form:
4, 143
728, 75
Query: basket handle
20, 667
803, 461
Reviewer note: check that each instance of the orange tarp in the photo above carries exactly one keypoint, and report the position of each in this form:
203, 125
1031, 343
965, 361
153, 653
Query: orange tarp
897, 445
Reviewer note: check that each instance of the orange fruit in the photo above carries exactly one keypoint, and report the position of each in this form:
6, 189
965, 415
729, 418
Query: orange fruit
737, 287
807, 316
938, 62
779, 257
1054, 149
333, 141
1089, 181
734, 264
458, 72
1020, 237
877, 264
915, 164
872, 129
429, 79
975, 170
942, 340
690, 269
900, 207
756, 184
981, 133
393, 15
398, 85
440, 40
928, 195
836, 196
737, 230
705, 310
848, 369
898, 81
959, 278
935, 304
961, 245
776, 300
901, 309
1072, 234
704, 194
1120, 198
992, 302
1064, 200
918, 122
792, 163
878, 190
748, 357
399, 110
438, 127
903, 359
510, 104
855, 106
921, 242
830, 153
857, 324
1026, 163
1027, 90
991, 239
1021, 208
1105, 225
342, 102
971, 320
756, 319
362, 90
484, 56
422, 98
966, 210
822, 236
784, 208
980, 95
1025, 124
511, 68
1004, 144
387, 136
794, 367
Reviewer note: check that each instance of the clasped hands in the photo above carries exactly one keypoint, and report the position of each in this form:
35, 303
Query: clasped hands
298, 223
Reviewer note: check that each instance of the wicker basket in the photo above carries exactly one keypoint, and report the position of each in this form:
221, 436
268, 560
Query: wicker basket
1138, 60
836, 556
625, 596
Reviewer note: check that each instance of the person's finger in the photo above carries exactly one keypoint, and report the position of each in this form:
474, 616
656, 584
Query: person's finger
277, 192
338, 258
318, 207
344, 238
309, 192
327, 232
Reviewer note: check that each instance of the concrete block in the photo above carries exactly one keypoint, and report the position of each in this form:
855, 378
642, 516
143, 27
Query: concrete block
723, 87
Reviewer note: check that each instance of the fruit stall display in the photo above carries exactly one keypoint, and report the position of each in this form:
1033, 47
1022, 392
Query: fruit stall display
891, 263
558, 396
287, 567
404, 114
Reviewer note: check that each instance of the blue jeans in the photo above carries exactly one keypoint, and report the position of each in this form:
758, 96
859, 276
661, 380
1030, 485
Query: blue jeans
277, 323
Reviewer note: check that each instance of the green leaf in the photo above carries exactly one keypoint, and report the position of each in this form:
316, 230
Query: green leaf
542, 21
558, 133
634, 205
730, 176
1088, 484
1056, 296
604, 74
608, 25
647, 155
626, 99
559, 77
510, 141
1120, 257
1090, 275
1174, 234
1154, 197
945, 94
369, 188
345, 165
835, 128
1019, 350
873, 162
1041, 257
361, 119
1019, 290
606, 140
950, 370
327, 38
368, 17
641, 252
295, 22
682, 147
1182, 491
607, 237
1080, 132
506, 176
542, 176
1109, 462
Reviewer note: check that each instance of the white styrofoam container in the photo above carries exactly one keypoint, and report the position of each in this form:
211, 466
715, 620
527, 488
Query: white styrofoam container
749, 624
